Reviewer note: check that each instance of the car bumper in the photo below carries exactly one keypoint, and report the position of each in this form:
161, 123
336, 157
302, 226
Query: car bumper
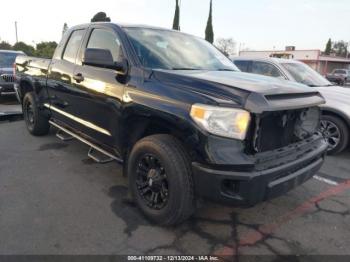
7, 88
249, 188
335, 79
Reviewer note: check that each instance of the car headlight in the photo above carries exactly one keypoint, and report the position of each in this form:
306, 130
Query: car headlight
222, 121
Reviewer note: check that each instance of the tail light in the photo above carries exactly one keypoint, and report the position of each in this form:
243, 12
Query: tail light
14, 69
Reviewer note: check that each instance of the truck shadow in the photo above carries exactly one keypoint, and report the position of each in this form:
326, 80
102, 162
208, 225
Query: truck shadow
126, 209
212, 227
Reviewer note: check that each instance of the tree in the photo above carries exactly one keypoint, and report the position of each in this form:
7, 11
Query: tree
176, 22
226, 45
209, 32
21, 46
100, 17
5, 45
65, 28
328, 49
340, 48
45, 49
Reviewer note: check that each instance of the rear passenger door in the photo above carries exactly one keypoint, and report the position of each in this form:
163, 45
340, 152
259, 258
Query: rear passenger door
60, 83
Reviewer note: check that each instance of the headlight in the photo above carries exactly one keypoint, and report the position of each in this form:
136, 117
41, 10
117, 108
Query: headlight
221, 121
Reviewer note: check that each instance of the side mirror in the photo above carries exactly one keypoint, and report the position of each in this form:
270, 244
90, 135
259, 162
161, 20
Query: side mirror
103, 58
121, 67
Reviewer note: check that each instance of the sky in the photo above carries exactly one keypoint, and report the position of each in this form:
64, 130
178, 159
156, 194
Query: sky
253, 24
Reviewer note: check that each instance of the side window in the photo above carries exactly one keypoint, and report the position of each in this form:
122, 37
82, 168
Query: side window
242, 65
262, 68
73, 45
105, 39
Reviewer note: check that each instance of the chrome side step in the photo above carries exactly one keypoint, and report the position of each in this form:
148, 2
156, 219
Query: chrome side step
63, 136
98, 157
71, 135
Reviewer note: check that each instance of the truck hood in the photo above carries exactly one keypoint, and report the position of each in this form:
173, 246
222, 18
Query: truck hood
263, 93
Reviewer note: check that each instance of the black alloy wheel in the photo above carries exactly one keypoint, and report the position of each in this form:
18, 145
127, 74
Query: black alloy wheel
160, 179
152, 182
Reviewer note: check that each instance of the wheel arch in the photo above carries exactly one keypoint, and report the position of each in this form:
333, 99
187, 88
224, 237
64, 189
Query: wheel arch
25, 86
336, 113
139, 127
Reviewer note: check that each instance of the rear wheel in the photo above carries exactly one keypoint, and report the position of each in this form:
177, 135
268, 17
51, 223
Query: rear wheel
37, 123
336, 133
160, 179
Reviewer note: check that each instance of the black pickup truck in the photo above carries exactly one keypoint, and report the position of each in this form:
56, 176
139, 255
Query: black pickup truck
185, 123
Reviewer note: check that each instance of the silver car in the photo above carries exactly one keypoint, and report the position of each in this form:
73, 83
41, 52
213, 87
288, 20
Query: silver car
335, 122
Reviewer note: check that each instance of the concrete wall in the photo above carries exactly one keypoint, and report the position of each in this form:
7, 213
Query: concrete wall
309, 57
298, 54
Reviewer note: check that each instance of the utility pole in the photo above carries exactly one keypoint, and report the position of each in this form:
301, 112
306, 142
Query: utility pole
16, 32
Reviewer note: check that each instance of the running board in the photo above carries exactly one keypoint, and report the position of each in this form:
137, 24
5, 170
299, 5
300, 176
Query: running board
63, 136
99, 157
93, 147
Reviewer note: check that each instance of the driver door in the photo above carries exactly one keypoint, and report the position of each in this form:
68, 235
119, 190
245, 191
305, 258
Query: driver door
100, 92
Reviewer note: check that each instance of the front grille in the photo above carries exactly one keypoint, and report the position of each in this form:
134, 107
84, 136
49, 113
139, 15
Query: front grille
275, 130
8, 78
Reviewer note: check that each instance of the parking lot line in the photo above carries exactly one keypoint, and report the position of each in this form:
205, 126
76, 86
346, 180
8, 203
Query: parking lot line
254, 236
325, 180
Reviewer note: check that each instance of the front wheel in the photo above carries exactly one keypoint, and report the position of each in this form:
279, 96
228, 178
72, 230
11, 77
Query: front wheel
160, 179
336, 133
37, 123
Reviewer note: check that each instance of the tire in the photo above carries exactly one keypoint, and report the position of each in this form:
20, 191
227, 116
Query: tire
37, 124
343, 131
172, 179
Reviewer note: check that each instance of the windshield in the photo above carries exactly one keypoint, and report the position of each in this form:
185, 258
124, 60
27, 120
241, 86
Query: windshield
304, 74
7, 59
163, 49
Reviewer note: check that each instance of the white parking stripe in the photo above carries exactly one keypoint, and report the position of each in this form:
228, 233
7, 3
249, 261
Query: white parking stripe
327, 181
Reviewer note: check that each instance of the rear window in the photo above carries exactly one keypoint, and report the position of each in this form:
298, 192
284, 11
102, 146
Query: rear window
7, 59
266, 69
242, 65
338, 71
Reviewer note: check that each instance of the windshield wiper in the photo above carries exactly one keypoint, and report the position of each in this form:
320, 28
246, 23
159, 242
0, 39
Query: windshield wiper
185, 68
320, 85
226, 69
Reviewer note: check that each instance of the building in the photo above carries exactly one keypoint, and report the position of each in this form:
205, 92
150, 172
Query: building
314, 58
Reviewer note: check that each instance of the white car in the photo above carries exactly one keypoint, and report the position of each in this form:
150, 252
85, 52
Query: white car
335, 122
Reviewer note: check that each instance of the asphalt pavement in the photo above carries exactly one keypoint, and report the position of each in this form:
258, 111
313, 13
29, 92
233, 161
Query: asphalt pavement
55, 200
9, 107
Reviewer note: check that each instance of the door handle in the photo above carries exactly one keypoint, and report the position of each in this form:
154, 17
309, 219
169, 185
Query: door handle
78, 77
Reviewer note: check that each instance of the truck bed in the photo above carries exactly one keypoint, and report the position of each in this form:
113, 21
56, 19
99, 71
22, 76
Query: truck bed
33, 66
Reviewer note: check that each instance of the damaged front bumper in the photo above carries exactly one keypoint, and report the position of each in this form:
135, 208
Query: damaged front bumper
273, 174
